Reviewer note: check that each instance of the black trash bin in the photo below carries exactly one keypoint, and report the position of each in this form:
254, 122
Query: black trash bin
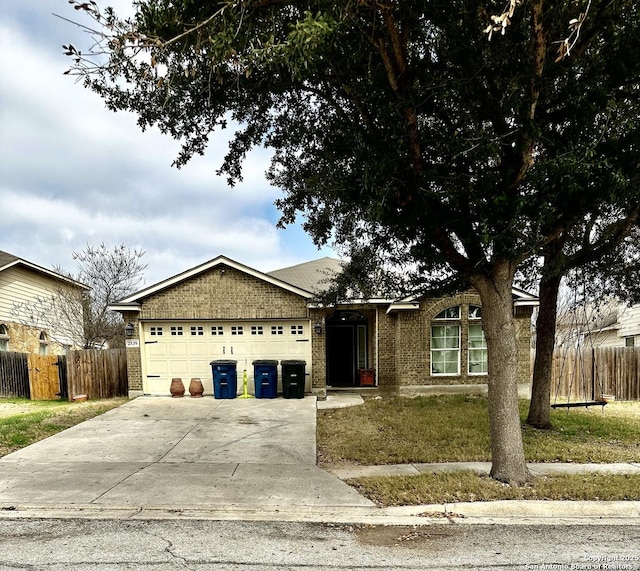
293, 379
265, 378
225, 379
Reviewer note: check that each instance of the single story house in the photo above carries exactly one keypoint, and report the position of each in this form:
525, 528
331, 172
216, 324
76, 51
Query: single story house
225, 310
27, 292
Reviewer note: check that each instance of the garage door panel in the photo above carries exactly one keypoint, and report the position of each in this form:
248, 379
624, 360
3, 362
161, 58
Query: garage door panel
179, 367
156, 349
158, 367
178, 349
189, 355
198, 349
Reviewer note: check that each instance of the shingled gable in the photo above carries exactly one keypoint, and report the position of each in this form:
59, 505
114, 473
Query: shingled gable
133, 301
314, 276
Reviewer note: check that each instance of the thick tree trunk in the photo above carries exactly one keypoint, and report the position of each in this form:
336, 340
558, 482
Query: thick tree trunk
507, 452
545, 343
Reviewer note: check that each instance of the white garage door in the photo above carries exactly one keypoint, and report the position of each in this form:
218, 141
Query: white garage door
185, 350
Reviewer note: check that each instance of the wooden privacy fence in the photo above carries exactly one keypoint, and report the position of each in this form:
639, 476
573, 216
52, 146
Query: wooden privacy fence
44, 380
14, 375
585, 374
95, 374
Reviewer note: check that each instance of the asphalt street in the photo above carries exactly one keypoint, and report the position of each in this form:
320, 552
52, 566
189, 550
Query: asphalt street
83, 545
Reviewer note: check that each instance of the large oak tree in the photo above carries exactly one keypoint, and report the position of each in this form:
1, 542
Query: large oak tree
399, 130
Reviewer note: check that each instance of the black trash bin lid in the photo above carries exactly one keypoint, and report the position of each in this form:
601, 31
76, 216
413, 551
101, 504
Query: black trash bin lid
223, 362
293, 362
265, 362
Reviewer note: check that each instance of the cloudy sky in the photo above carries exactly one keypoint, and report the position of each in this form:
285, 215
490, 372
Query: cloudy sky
73, 173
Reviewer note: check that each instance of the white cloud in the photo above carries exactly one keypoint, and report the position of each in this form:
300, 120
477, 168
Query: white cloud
72, 172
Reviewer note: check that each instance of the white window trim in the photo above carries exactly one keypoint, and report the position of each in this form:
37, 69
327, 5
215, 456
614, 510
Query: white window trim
443, 323
4, 338
475, 321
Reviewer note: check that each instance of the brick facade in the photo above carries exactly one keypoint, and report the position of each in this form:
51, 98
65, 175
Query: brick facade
398, 341
224, 293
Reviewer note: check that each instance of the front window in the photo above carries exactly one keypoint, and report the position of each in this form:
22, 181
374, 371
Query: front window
44, 344
477, 350
362, 347
4, 338
457, 337
445, 350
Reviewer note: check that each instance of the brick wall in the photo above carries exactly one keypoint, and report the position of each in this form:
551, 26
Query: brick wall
318, 352
523, 338
405, 359
386, 351
224, 293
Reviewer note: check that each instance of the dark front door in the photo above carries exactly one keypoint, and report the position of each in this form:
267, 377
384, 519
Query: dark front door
341, 362
346, 348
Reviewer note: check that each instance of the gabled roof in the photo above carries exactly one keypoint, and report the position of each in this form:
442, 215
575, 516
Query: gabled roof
132, 302
314, 276
10, 261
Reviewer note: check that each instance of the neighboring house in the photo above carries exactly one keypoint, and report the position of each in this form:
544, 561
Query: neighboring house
225, 310
618, 327
26, 290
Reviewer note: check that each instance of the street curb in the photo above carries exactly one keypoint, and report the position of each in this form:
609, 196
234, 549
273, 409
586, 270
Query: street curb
505, 512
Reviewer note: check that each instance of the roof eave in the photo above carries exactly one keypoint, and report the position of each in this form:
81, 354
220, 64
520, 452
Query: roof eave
122, 307
50, 273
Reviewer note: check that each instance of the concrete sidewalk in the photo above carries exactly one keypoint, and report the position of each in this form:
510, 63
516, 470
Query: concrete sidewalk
483, 468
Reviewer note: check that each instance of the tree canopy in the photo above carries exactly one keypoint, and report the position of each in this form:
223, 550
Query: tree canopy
399, 131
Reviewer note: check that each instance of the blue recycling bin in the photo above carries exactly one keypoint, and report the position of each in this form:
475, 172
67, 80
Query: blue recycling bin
293, 379
225, 379
265, 378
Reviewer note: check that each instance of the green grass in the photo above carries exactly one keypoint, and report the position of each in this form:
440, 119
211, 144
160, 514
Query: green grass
32, 421
455, 428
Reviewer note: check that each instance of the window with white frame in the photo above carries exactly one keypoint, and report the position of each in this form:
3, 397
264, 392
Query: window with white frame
217, 330
445, 349
477, 350
477, 361
257, 330
197, 330
44, 344
155, 330
4, 338
448, 328
176, 330
277, 330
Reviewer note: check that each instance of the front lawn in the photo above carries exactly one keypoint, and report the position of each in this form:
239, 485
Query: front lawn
454, 428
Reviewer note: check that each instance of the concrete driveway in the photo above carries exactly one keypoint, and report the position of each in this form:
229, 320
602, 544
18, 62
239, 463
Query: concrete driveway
181, 455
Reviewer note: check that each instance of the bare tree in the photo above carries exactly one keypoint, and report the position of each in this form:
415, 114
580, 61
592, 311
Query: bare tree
81, 318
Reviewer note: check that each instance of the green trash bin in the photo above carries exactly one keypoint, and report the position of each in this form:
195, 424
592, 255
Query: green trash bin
293, 379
